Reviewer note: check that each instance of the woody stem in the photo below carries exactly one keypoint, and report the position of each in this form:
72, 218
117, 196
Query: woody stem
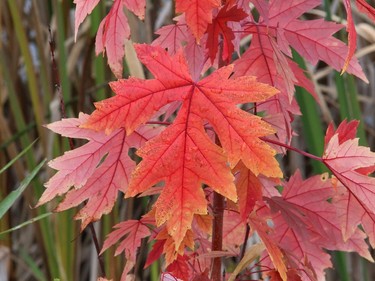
217, 234
218, 210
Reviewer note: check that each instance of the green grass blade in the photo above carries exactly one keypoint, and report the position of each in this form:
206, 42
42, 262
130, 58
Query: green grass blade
47, 239
32, 266
30, 221
14, 195
62, 65
31, 76
65, 229
341, 265
311, 119
354, 108
10, 163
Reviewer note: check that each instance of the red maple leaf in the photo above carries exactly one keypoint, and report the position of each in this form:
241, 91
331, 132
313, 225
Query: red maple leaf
307, 222
351, 165
317, 34
113, 30
347, 161
175, 36
131, 233
183, 156
98, 170
219, 28
352, 34
352, 213
268, 56
366, 8
198, 14
83, 8
180, 268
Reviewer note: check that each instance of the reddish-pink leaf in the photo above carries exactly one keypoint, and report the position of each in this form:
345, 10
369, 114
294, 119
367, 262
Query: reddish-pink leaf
350, 164
98, 170
197, 57
202, 276
343, 160
261, 61
308, 257
83, 8
112, 32
352, 40
312, 39
352, 35
137, 7
317, 34
312, 222
131, 233
306, 201
282, 12
366, 8
173, 36
261, 5
198, 14
345, 131
276, 31
352, 213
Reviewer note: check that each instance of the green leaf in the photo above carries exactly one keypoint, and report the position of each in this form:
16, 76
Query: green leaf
13, 196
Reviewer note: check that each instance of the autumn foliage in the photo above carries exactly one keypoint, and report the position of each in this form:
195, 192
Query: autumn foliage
211, 121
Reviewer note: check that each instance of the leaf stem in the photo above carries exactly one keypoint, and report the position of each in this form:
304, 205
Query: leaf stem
97, 248
245, 241
304, 153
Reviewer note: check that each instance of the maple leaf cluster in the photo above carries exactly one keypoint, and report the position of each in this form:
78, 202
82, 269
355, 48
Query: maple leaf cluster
211, 142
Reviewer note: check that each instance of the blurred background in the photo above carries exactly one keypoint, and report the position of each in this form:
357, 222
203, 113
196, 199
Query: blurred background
41, 65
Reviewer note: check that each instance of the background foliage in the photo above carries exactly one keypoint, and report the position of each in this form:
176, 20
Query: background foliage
30, 32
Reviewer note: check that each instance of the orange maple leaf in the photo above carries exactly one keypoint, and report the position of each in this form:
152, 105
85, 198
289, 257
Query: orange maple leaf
183, 155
